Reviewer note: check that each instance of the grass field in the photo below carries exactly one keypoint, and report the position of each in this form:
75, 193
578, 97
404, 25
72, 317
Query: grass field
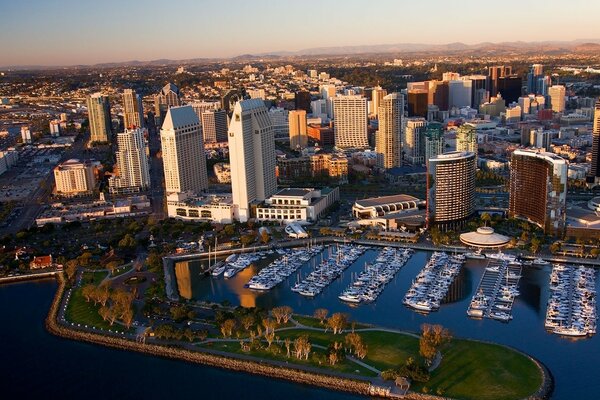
315, 323
94, 277
81, 312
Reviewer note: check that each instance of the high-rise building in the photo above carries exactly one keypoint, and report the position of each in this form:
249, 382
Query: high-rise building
132, 163
280, 122
441, 95
459, 93
494, 73
302, 100
451, 190
350, 122
413, 140
418, 99
26, 135
99, 116
168, 97
595, 167
479, 91
535, 73
297, 127
434, 143
557, 98
377, 95
538, 189
74, 177
133, 111
388, 141
214, 126
252, 156
466, 138
183, 151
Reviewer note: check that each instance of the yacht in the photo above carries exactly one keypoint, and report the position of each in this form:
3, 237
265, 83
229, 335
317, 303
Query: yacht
230, 272
219, 270
540, 261
475, 255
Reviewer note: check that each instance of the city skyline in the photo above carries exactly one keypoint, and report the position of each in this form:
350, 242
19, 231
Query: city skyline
75, 40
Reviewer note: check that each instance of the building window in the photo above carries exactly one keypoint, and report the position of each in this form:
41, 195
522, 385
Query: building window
181, 212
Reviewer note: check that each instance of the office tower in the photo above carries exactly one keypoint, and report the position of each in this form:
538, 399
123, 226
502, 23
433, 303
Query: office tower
388, 142
132, 163
450, 76
328, 93
595, 167
133, 111
280, 122
434, 143
451, 189
441, 95
168, 97
557, 98
418, 99
377, 95
466, 138
74, 177
257, 94
511, 88
252, 156
26, 135
538, 189
413, 140
202, 106
214, 126
99, 117
297, 128
543, 85
525, 104
479, 92
459, 93
302, 100
183, 151
535, 73
350, 122
318, 108
495, 73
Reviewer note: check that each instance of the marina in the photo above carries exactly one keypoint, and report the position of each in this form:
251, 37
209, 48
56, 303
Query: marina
571, 309
241, 262
372, 280
340, 258
281, 268
497, 289
431, 284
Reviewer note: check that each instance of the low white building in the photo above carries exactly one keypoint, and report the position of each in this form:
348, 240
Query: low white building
212, 208
297, 204
222, 172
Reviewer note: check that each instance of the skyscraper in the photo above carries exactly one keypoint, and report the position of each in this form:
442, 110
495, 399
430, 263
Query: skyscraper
494, 73
510, 87
350, 122
133, 111
595, 167
166, 98
538, 189
252, 156
557, 98
377, 95
535, 73
214, 126
99, 117
459, 93
418, 99
466, 138
451, 190
297, 126
413, 140
434, 141
302, 100
132, 163
183, 151
388, 141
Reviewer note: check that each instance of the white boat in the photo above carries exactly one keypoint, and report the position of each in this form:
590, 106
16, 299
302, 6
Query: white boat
569, 331
474, 312
540, 261
231, 258
230, 272
476, 255
219, 270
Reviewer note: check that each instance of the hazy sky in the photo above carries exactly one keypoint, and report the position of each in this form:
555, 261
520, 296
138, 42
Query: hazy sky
65, 32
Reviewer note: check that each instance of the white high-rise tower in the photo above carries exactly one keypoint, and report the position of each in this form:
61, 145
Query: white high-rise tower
252, 156
350, 124
132, 163
183, 151
388, 142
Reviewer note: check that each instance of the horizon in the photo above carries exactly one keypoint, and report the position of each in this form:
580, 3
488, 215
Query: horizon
59, 33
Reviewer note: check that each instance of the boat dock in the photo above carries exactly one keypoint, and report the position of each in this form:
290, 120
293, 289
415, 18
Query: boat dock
571, 307
497, 289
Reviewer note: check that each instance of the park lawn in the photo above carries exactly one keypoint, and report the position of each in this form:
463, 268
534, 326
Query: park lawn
81, 312
121, 270
387, 350
94, 277
474, 370
317, 358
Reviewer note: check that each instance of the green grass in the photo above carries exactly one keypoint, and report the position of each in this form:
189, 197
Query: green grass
316, 323
93, 277
81, 312
315, 359
472, 370
121, 270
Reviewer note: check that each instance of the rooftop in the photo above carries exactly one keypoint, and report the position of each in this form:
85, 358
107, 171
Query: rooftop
383, 200
484, 237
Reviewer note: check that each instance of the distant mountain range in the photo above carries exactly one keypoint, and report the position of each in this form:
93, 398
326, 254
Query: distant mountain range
487, 48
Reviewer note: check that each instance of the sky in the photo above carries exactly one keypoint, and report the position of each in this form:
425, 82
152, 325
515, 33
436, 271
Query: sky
68, 32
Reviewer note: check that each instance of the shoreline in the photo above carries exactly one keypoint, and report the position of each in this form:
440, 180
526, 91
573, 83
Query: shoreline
217, 359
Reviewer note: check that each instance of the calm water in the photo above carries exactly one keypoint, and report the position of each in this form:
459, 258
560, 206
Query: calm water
35, 364
572, 362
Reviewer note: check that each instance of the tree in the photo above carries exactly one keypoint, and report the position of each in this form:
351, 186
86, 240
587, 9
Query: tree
337, 322
486, 218
112, 266
282, 314
269, 325
127, 317
264, 236
229, 230
535, 245
288, 343
247, 321
355, 342
88, 291
433, 337
247, 240
128, 242
302, 347
321, 314
555, 247
227, 327
71, 269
